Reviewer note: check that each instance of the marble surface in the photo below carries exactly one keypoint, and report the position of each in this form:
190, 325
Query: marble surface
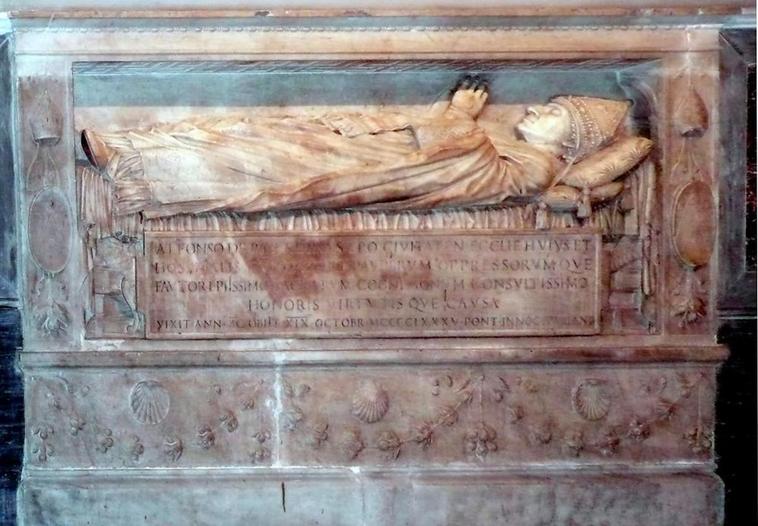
278, 4
544, 429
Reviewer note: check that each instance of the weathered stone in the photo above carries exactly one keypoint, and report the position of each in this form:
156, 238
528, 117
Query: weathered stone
271, 277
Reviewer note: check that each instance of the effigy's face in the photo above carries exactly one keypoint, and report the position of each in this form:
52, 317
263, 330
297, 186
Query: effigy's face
545, 124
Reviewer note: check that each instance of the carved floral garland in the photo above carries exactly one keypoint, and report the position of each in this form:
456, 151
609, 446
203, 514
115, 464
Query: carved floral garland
590, 399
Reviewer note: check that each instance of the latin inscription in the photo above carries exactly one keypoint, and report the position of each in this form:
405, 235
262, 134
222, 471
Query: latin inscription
247, 285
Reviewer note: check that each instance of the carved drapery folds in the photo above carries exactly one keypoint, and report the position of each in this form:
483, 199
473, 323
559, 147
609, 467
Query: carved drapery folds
595, 175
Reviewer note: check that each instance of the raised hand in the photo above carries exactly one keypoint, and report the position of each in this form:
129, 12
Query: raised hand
470, 96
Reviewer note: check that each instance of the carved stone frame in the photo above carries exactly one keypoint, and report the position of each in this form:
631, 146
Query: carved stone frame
84, 395
45, 77
737, 286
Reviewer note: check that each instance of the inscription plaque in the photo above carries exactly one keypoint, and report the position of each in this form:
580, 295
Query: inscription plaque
239, 284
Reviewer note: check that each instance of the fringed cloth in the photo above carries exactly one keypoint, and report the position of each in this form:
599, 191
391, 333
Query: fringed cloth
97, 214
96, 207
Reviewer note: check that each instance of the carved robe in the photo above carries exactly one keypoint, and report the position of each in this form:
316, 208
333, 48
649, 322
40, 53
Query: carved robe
385, 161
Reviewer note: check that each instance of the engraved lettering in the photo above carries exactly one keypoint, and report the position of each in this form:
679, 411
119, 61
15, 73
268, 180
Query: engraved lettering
202, 285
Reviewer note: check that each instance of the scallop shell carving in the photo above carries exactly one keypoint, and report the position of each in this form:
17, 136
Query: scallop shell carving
370, 402
149, 401
590, 400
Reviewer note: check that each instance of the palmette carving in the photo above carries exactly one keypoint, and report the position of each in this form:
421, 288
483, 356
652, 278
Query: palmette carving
292, 417
514, 413
423, 434
76, 424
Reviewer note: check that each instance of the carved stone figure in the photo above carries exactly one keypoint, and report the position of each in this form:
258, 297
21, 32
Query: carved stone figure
485, 309
386, 160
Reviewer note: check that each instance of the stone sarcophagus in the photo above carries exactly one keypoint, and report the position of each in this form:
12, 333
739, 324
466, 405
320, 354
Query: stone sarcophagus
368, 269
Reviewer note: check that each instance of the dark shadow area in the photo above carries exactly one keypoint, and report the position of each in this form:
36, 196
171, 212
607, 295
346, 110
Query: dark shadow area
737, 408
11, 388
335, 83
736, 426
11, 413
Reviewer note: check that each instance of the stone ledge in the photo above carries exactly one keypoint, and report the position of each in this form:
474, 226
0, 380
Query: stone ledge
354, 497
369, 351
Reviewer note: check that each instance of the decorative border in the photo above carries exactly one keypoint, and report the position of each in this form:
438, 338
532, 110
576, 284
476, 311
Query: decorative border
494, 415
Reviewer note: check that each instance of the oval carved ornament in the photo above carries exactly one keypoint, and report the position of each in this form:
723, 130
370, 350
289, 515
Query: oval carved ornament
693, 224
50, 230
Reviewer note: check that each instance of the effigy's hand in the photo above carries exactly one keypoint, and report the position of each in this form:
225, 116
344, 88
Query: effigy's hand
470, 97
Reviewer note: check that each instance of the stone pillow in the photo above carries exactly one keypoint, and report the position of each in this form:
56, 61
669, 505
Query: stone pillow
609, 163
